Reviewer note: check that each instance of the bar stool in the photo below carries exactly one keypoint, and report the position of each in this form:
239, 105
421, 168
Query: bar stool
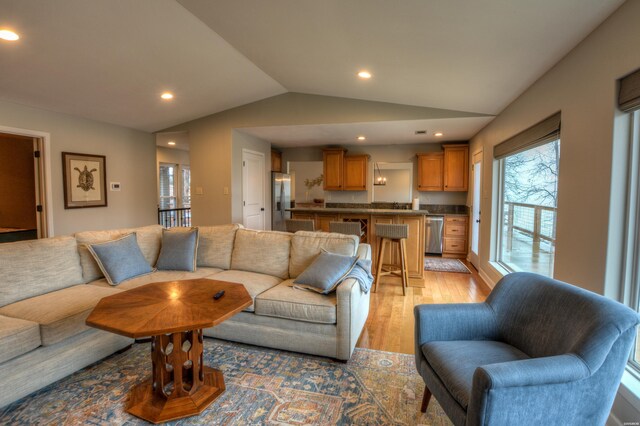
392, 233
293, 225
346, 228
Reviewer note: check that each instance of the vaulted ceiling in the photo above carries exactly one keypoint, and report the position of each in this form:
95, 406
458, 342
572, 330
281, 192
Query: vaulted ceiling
110, 60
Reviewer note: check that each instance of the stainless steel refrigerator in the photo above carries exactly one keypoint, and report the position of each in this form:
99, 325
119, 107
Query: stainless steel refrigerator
280, 200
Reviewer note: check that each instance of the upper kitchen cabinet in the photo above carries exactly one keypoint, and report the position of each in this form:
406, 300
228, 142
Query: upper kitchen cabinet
430, 171
355, 172
456, 167
332, 168
276, 161
344, 172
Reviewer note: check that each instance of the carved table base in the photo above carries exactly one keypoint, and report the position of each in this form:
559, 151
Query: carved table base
181, 385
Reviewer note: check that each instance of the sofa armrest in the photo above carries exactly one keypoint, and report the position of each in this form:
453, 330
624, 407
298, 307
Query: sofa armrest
352, 312
364, 251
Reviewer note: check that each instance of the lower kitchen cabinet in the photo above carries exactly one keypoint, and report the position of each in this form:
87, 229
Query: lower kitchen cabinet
454, 243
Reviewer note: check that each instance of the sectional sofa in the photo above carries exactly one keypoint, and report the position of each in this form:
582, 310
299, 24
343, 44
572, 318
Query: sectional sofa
48, 287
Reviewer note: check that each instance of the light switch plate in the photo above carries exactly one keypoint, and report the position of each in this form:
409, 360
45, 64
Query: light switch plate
199, 190
225, 191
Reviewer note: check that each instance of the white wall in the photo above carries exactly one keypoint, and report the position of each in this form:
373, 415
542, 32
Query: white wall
583, 87
172, 156
301, 170
130, 160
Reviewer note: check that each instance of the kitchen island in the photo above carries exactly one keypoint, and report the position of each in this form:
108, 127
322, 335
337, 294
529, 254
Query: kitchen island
368, 217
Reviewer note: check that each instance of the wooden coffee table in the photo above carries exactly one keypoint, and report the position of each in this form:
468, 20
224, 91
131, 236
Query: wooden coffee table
173, 313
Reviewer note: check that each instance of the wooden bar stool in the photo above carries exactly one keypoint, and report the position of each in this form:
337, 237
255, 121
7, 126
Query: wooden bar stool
392, 233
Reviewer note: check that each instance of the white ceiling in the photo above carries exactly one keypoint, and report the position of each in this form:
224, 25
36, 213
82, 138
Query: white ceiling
376, 133
109, 60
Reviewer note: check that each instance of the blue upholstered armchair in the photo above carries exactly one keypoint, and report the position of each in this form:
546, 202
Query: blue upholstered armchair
537, 352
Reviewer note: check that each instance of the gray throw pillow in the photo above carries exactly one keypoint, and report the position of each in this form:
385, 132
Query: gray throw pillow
179, 250
120, 259
325, 272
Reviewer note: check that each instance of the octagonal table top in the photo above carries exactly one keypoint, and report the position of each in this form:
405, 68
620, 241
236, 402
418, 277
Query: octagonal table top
169, 307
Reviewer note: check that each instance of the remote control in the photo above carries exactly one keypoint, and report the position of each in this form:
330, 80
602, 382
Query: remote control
218, 295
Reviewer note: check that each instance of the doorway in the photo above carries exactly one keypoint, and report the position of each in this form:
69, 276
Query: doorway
22, 183
253, 196
476, 175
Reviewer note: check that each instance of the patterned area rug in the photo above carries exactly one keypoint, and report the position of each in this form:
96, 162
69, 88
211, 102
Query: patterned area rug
264, 387
440, 264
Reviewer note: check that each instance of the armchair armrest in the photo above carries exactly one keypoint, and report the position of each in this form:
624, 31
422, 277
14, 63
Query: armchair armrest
458, 321
531, 372
549, 390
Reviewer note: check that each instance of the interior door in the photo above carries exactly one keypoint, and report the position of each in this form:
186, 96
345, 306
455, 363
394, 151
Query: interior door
476, 175
253, 193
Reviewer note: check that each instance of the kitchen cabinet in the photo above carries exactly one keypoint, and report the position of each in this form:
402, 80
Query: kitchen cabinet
430, 171
322, 221
332, 160
355, 172
344, 172
456, 167
276, 161
454, 242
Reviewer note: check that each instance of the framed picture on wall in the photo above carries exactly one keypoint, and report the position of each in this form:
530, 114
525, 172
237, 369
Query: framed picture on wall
85, 180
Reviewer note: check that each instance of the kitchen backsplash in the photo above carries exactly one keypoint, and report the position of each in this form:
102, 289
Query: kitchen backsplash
431, 208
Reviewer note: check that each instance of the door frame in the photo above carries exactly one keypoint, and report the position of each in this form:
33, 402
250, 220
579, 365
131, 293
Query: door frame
46, 197
473, 257
244, 182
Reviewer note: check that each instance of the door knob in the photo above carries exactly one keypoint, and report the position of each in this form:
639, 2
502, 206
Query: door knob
477, 220
261, 209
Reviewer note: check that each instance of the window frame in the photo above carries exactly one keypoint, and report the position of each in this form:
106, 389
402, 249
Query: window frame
500, 191
177, 186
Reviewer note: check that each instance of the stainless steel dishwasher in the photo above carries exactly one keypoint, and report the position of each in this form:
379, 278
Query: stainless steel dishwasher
433, 228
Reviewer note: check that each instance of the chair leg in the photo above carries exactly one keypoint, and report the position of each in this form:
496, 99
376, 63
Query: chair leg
403, 266
406, 265
425, 400
381, 244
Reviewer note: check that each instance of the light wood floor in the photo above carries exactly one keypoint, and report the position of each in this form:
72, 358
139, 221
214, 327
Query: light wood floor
389, 326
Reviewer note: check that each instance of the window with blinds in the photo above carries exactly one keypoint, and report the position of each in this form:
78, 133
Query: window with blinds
168, 198
528, 165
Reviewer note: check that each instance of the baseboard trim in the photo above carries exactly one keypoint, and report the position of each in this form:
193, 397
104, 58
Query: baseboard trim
485, 277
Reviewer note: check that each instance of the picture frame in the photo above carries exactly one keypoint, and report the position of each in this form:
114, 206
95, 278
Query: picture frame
85, 180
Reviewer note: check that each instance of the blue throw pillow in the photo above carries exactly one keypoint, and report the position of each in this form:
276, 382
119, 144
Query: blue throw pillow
120, 259
179, 250
325, 272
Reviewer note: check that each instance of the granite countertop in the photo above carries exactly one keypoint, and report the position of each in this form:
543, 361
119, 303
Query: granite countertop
359, 210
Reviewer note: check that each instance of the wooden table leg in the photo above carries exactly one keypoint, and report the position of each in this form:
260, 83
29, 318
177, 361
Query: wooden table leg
180, 385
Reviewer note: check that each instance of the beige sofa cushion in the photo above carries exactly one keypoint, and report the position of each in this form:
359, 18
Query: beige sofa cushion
284, 301
254, 282
306, 245
17, 337
31, 268
216, 245
159, 276
60, 314
149, 239
265, 252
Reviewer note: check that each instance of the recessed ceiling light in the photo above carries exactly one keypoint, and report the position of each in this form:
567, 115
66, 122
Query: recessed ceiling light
8, 35
171, 143
438, 134
167, 96
361, 138
364, 75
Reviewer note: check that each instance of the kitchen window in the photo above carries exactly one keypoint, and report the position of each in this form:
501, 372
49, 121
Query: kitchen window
528, 166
